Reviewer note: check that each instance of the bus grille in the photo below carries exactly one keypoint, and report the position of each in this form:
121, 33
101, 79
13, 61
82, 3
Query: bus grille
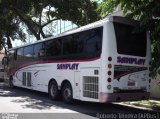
90, 87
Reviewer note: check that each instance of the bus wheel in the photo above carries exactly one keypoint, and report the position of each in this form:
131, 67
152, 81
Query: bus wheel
53, 90
11, 82
67, 94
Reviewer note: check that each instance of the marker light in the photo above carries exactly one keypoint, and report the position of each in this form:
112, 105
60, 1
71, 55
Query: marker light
109, 58
109, 86
109, 66
109, 80
109, 72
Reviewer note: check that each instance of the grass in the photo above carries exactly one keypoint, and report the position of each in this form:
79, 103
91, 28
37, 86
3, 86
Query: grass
155, 105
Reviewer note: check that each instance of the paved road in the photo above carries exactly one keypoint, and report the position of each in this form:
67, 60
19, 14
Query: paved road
32, 104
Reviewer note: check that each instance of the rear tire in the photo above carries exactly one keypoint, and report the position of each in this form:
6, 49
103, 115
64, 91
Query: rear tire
53, 90
67, 93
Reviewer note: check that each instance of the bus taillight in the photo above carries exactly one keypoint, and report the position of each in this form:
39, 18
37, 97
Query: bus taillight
109, 66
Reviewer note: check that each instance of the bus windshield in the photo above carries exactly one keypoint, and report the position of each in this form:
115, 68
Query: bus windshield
130, 41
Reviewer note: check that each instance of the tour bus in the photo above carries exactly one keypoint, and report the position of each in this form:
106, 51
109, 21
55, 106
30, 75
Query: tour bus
105, 61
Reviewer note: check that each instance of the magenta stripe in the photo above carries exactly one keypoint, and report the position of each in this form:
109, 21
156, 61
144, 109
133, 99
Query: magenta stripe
12, 71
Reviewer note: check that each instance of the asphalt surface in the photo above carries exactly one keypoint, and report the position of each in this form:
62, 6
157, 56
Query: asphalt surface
21, 103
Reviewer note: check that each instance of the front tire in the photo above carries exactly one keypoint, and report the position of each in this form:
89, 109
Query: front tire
67, 93
53, 90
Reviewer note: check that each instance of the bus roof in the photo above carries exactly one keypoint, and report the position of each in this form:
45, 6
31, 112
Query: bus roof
83, 28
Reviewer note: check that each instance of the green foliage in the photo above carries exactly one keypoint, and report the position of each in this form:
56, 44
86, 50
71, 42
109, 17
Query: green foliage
107, 6
9, 27
80, 12
15, 13
148, 13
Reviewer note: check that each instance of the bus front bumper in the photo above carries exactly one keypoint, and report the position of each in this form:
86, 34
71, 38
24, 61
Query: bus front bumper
117, 97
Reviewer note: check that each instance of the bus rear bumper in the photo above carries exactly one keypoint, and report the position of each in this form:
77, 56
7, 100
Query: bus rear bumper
117, 97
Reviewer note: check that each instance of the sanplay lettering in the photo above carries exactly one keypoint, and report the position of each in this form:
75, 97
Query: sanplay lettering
68, 66
129, 60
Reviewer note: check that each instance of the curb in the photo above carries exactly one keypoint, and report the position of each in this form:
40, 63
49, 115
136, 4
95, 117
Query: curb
141, 107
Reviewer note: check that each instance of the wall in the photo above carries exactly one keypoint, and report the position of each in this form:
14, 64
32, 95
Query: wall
155, 88
1, 57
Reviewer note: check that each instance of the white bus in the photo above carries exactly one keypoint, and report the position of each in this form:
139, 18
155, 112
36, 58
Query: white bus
104, 61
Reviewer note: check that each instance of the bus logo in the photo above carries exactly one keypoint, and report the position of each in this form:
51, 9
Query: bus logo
73, 66
129, 60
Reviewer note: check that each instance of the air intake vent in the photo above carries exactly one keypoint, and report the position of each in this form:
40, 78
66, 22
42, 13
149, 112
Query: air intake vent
26, 79
90, 87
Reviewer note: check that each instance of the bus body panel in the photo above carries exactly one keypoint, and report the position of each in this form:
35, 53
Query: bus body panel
41, 74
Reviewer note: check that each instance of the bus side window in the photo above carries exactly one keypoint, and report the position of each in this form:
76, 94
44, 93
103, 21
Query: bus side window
28, 52
93, 43
53, 48
72, 47
20, 54
38, 50
68, 45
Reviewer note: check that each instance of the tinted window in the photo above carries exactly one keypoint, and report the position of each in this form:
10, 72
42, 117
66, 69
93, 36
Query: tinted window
83, 45
38, 50
28, 52
20, 54
130, 40
72, 45
53, 48
93, 42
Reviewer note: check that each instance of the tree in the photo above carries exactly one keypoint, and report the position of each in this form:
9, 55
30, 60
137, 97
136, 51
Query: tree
148, 13
9, 28
76, 11
32, 14
80, 12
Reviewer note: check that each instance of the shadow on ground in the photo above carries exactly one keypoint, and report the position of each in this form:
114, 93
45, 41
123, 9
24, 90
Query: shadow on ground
37, 100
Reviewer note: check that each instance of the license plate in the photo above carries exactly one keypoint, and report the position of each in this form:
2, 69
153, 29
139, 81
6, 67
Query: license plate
131, 83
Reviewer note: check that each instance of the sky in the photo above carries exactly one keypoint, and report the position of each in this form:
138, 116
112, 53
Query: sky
61, 26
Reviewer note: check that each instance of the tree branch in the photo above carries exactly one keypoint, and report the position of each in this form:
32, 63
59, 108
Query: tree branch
27, 21
48, 22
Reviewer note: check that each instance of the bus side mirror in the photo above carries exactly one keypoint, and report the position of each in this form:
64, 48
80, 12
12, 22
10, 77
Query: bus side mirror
5, 61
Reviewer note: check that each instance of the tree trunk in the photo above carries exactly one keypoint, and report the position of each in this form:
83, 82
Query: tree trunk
42, 33
5, 49
9, 43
